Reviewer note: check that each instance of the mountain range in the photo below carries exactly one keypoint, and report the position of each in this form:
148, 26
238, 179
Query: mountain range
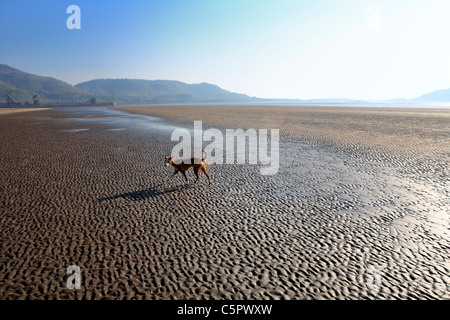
23, 86
134, 91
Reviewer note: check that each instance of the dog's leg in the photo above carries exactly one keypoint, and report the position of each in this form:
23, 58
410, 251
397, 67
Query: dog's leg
196, 173
174, 174
204, 171
185, 175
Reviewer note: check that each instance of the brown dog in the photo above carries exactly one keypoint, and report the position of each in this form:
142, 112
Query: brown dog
183, 165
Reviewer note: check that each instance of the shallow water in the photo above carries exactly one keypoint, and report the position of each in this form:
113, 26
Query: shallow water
116, 119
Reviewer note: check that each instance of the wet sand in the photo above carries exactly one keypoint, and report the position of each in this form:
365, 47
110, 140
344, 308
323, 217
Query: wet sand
15, 110
358, 209
399, 129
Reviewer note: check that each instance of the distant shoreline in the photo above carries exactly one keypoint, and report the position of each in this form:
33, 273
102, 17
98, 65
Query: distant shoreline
16, 110
388, 105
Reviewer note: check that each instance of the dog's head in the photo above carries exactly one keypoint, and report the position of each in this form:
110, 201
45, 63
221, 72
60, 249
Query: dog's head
168, 161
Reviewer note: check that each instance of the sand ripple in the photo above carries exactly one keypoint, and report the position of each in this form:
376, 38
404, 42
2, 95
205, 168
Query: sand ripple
336, 219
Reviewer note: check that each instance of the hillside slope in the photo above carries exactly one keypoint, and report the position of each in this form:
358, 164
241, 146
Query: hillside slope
23, 86
435, 96
159, 91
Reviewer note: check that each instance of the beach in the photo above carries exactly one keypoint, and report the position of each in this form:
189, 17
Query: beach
15, 110
357, 210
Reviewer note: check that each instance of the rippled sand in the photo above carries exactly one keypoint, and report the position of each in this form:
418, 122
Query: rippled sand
359, 208
410, 129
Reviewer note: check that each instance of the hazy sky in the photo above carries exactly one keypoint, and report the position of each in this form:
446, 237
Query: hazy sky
273, 49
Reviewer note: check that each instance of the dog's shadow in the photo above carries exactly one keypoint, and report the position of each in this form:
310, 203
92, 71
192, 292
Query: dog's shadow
143, 194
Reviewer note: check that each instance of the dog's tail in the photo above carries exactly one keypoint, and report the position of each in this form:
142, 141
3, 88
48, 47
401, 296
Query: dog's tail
206, 155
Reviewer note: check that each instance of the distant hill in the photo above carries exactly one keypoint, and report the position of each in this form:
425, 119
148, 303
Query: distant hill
435, 96
23, 86
134, 91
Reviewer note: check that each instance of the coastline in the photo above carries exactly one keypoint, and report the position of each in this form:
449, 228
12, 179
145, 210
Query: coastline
4, 111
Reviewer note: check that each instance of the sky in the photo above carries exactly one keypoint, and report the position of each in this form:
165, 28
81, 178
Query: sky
357, 49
